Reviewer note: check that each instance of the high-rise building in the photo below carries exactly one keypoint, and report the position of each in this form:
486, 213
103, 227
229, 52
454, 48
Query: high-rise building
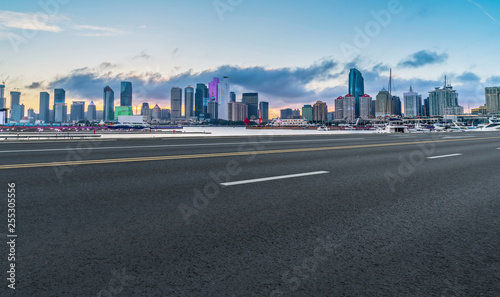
32, 115
165, 114
263, 111
493, 99
320, 112
200, 99
17, 113
237, 111
91, 112
413, 104
307, 112
396, 105
444, 101
349, 108
356, 87
60, 112
126, 94
15, 100
213, 88
286, 113
77, 111
213, 110
176, 102
146, 112
44, 107
339, 108
109, 104
223, 99
156, 113
252, 100
383, 106
188, 102
2, 97
232, 97
426, 111
365, 106
59, 97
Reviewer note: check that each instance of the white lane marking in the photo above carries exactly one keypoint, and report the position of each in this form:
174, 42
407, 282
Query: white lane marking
444, 156
177, 145
458, 137
258, 180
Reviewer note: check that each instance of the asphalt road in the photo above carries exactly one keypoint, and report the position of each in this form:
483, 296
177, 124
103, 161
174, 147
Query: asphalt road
343, 215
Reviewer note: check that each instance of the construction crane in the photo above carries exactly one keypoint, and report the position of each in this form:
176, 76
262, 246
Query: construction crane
3, 83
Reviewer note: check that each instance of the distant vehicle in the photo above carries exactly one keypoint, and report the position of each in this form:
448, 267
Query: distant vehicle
323, 128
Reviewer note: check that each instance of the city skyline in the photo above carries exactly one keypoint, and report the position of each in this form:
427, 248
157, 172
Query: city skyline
157, 61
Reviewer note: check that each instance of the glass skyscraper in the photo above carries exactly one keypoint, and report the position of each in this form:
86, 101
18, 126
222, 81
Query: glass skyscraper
356, 87
44, 107
2, 97
223, 97
200, 97
252, 100
59, 96
109, 104
176, 102
213, 89
188, 101
126, 94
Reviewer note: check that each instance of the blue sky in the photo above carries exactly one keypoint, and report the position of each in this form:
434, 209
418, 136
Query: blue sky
292, 52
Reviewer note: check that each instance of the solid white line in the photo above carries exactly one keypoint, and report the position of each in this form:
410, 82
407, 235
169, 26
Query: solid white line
444, 156
258, 180
176, 145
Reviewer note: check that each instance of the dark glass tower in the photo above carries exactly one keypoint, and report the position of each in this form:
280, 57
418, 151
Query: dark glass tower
356, 87
44, 107
252, 100
126, 94
109, 104
201, 93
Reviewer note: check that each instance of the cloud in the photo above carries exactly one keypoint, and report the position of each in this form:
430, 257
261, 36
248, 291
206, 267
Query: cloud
35, 85
282, 87
468, 77
143, 55
97, 31
175, 51
423, 58
285, 85
142, 27
107, 65
31, 21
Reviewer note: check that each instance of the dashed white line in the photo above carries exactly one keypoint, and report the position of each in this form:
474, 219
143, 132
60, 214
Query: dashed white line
444, 156
258, 180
